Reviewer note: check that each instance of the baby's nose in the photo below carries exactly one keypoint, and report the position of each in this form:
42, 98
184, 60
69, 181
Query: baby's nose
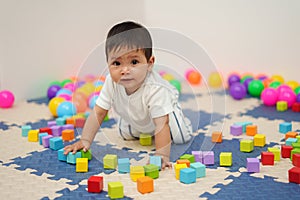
125, 70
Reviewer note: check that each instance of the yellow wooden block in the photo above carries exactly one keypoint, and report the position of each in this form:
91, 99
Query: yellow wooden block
136, 172
177, 168
276, 152
259, 140
33, 135
226, 159
81, 164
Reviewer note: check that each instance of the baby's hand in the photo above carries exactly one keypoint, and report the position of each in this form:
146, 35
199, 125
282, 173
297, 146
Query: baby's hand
165, 162
75, 147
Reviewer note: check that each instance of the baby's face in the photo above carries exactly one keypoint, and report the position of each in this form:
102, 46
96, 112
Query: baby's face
129, 68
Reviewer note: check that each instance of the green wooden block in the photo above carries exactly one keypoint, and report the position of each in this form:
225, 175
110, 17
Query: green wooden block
298, 138
246, 145
152, 171
60, 121
189, 157
110, 161
296, 145
297, 150
276, 152
145, 139
115, 190
87, 154
281, 106
106, 118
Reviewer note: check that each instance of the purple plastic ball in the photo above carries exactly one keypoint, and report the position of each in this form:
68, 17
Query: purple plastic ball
233, 79
298, 98
269, 96
52, 90
238, 91
247, 82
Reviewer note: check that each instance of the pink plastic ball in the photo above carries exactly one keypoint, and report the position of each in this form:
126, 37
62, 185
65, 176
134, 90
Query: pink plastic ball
269, 96
70, 86
67, 97
287, 95
187, 73
282, 88
7, 99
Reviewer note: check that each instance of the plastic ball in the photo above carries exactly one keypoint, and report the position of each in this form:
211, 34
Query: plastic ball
52, 90
269, 96
66, 81
67, 97
87, 88
92, 101
98, 83
187, 72
255, 88
194, 77
80, 104
283, 87
267, 82
54, 103
298, 98
161, 73
215, 80
176, 84
7, 99
168, 77
274, 84
297, 90
70, 86
247, 82
90, 78
237, 91
278, 78
288, 96
66, 108
99, 88
55, 83
292, 84
233, 78
64, 91
261, 77
245, 77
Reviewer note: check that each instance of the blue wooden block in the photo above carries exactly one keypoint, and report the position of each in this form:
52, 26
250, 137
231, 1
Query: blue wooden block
200, 169
123, 165
61, 155
187, 175
56, 143
289, 141
60, 121
285, 127
71, 158
156, 160
25, 130
41, 135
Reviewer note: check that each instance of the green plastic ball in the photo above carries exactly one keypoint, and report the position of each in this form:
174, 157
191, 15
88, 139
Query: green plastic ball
255, 88
176, 84
64, 82
297, 90
275, 84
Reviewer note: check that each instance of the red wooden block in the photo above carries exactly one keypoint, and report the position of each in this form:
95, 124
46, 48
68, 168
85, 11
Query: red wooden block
79, 122
296, 107
46, 130
296, 159
267, 158
294, 175
95, 184
286, 151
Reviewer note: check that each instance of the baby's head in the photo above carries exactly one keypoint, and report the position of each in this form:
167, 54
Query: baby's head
128, 36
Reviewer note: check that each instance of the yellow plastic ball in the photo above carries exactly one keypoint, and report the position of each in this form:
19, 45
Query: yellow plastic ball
99, 88
292, 84
278, 78
54, 103
215, 80
87, 89
168, 77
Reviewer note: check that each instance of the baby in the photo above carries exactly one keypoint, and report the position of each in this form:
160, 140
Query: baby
145, 102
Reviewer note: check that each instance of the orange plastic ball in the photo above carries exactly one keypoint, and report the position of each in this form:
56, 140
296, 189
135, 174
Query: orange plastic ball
194, 77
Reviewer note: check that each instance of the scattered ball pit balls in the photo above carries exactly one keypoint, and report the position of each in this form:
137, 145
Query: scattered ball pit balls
66, 108
269, 96
215, 80
54, 103
176, 84
278, 78
7, 99
52, 90
194, 77
255, 88
233, 78
238, 91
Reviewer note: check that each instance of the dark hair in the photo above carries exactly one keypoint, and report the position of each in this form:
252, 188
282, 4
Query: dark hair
129, 34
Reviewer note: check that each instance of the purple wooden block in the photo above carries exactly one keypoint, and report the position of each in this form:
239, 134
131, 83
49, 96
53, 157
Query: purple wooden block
208, 158
56, 131
67, 127
198, 156
253, 165
51, 123
236, 130
45, 140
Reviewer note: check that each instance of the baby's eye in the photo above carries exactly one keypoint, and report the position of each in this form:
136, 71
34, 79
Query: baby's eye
116, 63
134, 62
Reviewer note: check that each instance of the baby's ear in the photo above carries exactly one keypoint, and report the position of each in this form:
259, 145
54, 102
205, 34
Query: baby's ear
151, 63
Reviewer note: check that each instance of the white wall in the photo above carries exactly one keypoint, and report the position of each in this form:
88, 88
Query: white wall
258, 36
46, 40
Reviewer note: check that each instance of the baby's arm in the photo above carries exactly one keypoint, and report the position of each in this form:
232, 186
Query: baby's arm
163, 139
89, 131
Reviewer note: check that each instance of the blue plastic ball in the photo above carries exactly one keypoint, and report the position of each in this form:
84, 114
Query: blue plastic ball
92, 101
66, 108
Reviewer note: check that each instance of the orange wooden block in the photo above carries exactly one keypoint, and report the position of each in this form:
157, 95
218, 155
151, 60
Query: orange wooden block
70, 121
251, 130
184, 161
216, 136
291, 134
145, 184
67, 135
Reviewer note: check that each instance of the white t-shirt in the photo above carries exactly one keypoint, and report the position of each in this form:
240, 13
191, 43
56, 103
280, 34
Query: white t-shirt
155, 98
